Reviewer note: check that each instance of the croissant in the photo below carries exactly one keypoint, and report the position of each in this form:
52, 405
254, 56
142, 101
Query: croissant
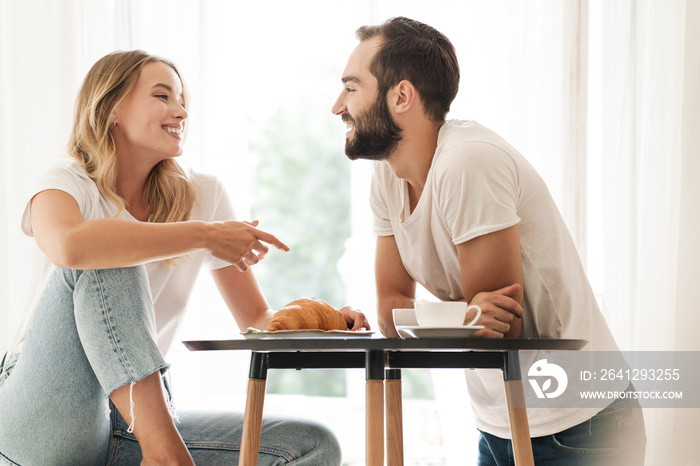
307, 314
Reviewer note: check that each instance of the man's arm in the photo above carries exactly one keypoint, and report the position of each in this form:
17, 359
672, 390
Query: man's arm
395, 287
488, 263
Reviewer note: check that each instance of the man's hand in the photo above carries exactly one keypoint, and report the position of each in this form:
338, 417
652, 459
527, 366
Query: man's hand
499, 310
355, 319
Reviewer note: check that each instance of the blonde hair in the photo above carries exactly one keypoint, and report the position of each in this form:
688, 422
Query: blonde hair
109, 82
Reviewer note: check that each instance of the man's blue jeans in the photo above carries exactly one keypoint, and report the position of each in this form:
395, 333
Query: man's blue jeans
613, 437
93, 331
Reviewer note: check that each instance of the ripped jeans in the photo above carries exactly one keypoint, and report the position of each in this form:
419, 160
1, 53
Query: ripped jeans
93, 331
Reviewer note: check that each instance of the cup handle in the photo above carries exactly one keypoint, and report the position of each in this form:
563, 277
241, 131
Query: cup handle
478, 314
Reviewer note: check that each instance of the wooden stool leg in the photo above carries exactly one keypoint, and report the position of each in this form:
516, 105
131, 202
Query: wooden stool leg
394, 418
252, 419
517, 412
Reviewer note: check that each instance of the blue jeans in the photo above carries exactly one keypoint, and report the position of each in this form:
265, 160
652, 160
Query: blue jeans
613, 437
94, 331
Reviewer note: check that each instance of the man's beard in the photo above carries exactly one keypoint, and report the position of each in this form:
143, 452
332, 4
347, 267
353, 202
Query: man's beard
376, 134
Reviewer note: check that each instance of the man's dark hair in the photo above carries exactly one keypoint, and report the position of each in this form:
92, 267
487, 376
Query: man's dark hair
420, 54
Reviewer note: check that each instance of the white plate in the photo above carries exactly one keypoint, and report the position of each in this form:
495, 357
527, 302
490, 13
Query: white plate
415, 331
255, 334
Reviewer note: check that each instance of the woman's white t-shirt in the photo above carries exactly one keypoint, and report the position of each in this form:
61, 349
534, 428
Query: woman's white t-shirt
170, 286
479, 184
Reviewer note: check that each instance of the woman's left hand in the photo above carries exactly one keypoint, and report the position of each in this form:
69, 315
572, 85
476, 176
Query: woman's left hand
356, 320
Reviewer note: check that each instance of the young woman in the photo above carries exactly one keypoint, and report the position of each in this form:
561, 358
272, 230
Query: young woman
127, 231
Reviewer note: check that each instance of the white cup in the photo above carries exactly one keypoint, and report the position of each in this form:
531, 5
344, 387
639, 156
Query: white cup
445, 314
404, 318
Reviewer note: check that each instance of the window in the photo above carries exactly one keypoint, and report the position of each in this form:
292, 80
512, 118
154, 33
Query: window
266, 128
264, 77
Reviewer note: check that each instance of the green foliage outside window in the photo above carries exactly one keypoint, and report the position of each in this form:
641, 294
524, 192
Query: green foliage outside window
302, 195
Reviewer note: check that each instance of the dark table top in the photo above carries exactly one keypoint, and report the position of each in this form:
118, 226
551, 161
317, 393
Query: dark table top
282, 344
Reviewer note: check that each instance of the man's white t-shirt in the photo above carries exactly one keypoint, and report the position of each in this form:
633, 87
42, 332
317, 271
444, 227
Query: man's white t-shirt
170, 286
479, 184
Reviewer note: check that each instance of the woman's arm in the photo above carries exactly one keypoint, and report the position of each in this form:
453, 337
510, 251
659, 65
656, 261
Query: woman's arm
71, 241
249, 308
243, 297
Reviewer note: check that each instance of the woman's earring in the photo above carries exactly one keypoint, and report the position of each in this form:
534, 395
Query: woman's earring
114, 123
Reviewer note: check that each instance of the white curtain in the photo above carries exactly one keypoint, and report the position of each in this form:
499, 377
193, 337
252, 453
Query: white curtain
42, 60
603, 98
45, 50
649, 121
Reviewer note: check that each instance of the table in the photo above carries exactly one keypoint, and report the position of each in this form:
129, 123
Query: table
383, 359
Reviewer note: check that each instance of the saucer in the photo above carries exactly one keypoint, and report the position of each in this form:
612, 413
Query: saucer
416, 331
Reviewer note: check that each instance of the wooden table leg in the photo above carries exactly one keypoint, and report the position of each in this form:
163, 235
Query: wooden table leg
394, 418
374, 409
374, 418
252, 419
517, 412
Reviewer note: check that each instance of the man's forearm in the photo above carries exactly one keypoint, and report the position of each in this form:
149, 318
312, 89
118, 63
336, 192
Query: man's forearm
385, 315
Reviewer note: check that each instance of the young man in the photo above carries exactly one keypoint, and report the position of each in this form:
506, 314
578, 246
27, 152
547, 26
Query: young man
461, 212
